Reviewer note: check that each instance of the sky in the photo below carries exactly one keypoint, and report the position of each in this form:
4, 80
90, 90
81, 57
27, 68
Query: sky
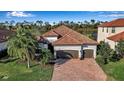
56, 16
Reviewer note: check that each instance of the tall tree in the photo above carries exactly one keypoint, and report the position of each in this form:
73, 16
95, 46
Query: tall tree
22, 46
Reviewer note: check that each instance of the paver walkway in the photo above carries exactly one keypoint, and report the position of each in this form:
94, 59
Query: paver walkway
77, 70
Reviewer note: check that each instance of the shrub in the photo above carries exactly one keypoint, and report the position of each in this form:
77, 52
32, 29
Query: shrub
120, 48
100, 60
114, 56
46, 56
105, 51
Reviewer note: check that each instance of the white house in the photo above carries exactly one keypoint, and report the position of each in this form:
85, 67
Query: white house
68, 43
108, 30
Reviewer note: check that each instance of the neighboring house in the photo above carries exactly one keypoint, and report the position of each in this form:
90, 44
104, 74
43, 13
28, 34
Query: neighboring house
68, 43
4, 35
111, 32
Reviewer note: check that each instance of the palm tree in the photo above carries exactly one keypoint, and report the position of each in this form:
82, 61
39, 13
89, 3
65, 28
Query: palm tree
22, 46
7, 25
11, 24
39, 23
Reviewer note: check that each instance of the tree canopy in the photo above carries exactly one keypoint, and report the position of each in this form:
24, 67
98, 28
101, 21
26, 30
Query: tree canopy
88, 28
22, 45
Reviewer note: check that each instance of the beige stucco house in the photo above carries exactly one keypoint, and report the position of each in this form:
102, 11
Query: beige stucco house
68, 43
110, 30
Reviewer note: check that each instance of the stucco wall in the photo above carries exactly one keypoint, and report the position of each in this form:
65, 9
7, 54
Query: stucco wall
51, 39
2, 46
111, 43
93, 47
102, 35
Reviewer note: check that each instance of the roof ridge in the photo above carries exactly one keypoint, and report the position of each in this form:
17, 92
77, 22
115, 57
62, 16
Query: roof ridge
56, 32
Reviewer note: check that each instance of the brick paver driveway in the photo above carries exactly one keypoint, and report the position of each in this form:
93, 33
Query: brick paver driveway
75, 70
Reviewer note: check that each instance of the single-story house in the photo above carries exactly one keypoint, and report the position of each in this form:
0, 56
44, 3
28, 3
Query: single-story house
68, 43
4, 35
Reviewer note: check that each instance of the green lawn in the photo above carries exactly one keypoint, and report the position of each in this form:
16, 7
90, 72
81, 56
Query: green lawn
13, 71
114, 70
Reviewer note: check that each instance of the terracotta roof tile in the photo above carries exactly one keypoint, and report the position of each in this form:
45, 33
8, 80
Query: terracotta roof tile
114, 23
82, 38
72, 37
62, 30
68, 36
117, 37
50, 33
66, 40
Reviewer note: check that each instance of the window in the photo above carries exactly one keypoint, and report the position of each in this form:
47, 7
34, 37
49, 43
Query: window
113, 29
107, 30
103, 29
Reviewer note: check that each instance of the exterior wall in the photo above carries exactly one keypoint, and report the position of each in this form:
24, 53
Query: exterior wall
93, 47
2, 46
51, 39
79, 48
111, 43
102, 35
76, 47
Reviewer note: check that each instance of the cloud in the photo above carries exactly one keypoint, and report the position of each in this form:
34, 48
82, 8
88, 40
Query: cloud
112, 14
115, 15
19, 14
